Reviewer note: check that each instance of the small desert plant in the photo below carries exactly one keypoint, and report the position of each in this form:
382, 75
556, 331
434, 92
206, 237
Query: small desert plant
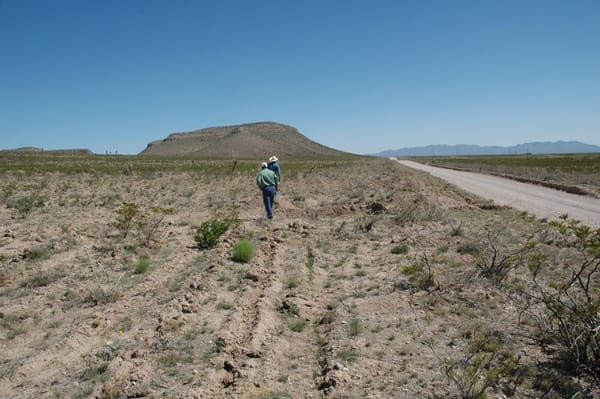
168, 362
455, 230
495, 264
209, 232
224, 305
365, 223
310, 262
400, 249
142, 265
354, 327
347, 355
406, 215
148, 223
243, 251
566, 309
109, 351
292, 282
275, 395
38, 253
24, 205
14, 331
126, 213
101, 296
420, 273
289, 308
297, 325
485, 362
95, 372
482, 364
468, 248
42, 279
125, 324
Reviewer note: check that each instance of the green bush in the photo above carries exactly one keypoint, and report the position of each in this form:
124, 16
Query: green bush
209, 232
400, 249
243, 251
38, 253
297, 325
142, 265
24, 205
126, 213
565, 308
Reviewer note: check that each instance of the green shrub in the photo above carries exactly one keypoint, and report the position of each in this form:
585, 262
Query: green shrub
209, 232
400, 249
420, 274
126, 213
468, 248
24, 205
42, 279
297, 325
38, 253
354, 327
142, 265
292, 282
487, 361
568, 305
243, 251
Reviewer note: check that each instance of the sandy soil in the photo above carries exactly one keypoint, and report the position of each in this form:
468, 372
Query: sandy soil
331, 305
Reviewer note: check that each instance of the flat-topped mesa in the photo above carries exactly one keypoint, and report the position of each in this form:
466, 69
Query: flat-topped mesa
249, 141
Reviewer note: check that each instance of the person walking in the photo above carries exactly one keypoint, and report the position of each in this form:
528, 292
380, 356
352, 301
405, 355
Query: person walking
267, 182
274, 166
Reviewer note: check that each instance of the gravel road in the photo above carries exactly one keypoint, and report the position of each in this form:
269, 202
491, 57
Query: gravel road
538, 200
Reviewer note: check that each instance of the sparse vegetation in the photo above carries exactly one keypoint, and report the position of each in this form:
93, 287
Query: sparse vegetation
119, 293
485, 362
565, 309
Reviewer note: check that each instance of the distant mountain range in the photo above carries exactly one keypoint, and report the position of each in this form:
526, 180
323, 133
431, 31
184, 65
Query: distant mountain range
557, 147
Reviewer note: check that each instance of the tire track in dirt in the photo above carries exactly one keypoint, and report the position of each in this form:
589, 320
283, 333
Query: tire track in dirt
254, 326
260, 348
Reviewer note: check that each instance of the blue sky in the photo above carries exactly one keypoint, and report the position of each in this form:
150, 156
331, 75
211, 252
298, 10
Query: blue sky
360, 76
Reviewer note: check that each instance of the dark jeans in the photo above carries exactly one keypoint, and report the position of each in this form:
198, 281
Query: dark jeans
269, 193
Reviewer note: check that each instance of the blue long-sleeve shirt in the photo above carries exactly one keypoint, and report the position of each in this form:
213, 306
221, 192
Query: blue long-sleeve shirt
274, 166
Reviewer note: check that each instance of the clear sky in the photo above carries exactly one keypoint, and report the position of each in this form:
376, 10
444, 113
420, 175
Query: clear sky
360, 76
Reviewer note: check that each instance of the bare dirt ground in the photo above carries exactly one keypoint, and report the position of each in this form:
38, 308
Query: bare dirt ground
541, 201
336, 302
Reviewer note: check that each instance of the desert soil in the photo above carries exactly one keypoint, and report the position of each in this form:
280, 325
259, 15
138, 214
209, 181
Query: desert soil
324, 309
541, 201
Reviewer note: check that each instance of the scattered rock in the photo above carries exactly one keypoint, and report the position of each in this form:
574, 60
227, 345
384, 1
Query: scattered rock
252, 354
377, 207
327, 384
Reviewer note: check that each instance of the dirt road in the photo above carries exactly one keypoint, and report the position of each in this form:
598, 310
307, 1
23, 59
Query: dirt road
541, 201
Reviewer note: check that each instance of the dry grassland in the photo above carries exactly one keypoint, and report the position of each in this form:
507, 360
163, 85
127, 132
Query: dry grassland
369, 283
